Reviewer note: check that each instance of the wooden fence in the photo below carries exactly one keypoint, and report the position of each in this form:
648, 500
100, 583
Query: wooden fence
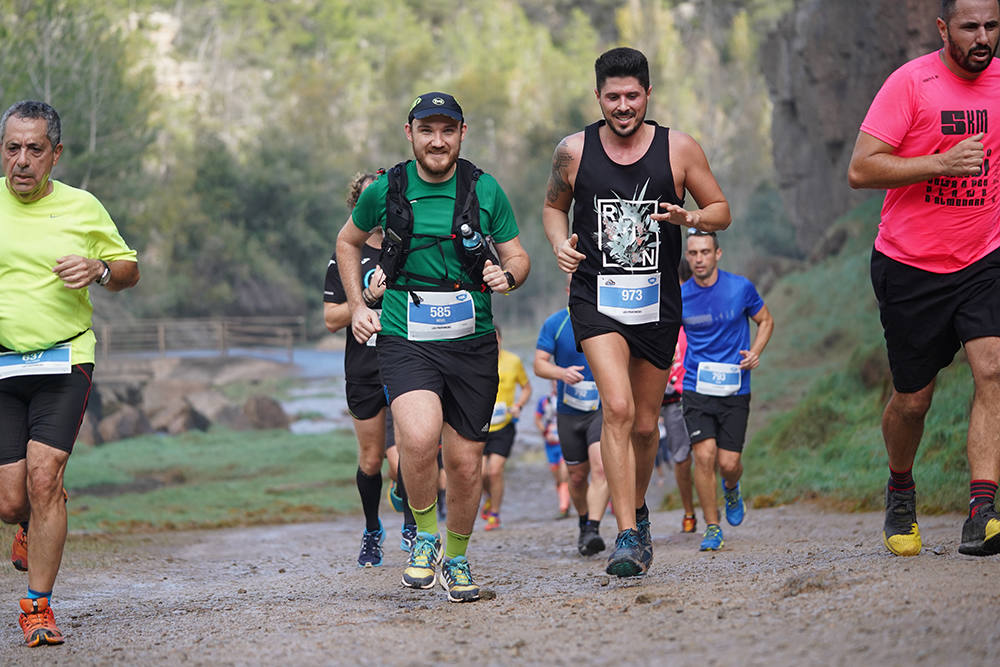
221, 334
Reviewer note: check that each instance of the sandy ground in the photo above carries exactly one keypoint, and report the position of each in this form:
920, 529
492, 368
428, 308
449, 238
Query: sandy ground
794, 585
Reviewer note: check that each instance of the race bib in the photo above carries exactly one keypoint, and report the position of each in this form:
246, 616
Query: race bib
440, 316
371, 341
582, 395
716, 379
629, 298
53, 361
499, 414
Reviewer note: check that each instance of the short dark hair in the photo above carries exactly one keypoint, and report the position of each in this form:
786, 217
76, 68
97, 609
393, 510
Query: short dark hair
692, 231
622, 61
33, 109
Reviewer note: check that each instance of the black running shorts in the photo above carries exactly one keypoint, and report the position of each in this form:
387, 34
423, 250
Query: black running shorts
653, 342
576, 434
502, 441
463, 373
364, 401
44, 408
927, 316
723, 418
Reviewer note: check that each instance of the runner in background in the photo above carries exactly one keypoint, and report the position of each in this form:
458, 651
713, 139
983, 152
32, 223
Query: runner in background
545, 422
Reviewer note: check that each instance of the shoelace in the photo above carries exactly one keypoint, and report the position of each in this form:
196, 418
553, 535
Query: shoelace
712, 531
423, 553
40, 620
460, 573
370, 543
629, 538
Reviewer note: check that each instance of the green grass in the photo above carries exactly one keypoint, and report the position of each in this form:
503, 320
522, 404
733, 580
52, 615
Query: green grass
823, 382
214, 479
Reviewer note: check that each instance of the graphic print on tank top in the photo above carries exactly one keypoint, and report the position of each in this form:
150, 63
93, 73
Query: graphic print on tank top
626, 236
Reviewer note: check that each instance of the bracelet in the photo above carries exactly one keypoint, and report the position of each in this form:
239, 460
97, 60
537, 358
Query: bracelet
105, 276
369, 300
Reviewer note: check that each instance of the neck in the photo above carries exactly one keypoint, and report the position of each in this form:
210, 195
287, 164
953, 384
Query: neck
34, 195
614, 140
709, 280
427, 177
955, 69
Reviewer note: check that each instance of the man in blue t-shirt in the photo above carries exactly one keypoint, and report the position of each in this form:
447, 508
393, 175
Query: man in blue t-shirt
578, 415
717, 365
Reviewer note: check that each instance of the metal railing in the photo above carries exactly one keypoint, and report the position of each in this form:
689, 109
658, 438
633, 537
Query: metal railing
221, 334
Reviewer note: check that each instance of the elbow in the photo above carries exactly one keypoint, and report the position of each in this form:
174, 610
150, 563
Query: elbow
855, 177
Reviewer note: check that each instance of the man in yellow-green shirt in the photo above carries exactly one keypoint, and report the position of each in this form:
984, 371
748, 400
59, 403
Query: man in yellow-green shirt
57, 242
500, 440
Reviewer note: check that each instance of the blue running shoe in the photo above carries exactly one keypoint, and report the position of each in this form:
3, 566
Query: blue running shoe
456, 578
424, 559
394, 498
735, 507
626, 560
713, 538
371, 547
408, 535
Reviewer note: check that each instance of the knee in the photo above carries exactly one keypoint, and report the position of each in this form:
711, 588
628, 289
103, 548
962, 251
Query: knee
646, 431
728, 468
911, 406
578, 475
618, 411
704, 455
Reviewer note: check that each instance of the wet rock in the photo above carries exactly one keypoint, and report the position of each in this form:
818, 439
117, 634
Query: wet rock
264, 412
127, 422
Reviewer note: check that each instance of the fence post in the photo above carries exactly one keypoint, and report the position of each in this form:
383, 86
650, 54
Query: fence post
161, 338
106, 340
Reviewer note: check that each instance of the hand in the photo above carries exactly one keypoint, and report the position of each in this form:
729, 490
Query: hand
567, 256
750, 360
376, 286
677, 215
964, 158
515, 411
76, 271
494, 277
572, 374
364, 323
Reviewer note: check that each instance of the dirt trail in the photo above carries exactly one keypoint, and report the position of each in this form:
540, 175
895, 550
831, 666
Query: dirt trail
793, 586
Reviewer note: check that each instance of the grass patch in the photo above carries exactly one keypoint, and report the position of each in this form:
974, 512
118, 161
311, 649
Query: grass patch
209, 480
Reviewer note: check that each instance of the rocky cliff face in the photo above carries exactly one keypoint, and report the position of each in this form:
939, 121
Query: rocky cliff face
823, 65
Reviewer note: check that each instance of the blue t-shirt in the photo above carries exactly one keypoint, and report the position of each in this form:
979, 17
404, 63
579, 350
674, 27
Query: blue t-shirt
716, 321
556, 338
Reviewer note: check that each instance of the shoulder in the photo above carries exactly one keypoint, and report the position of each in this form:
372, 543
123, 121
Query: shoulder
571, 146
683, 145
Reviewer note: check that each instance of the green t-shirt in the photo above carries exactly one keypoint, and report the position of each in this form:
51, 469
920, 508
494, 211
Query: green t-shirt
36, 310
433, 209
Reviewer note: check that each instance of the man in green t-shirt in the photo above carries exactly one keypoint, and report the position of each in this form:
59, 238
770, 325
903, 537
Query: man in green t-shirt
57, 242
436, 344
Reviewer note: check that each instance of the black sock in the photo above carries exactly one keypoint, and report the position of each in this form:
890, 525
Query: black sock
24, 525
583, 520
370, 488
401, 492
594, 524
981, 494
642, 513
901, 481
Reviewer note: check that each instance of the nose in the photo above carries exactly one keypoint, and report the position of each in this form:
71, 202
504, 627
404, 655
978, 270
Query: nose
22, 157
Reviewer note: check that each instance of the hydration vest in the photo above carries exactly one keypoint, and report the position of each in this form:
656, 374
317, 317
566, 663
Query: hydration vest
399, 234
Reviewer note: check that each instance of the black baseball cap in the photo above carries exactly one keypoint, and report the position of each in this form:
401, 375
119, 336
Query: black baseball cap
435, 104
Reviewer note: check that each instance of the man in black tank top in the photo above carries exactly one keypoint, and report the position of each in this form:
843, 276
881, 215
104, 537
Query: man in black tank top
625, 178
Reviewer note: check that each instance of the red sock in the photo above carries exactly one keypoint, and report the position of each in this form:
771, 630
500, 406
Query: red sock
901, 481
981, 494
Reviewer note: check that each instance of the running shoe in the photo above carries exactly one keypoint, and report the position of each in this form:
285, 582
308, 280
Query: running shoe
900, 533
689, 523
735, 508
485, 514
626, 560
492, 521
38, 622
590, 541
408, 535
394, 498
19, 550
371, 547
712, 540
645, 542
456, 578
981, 533
424, 558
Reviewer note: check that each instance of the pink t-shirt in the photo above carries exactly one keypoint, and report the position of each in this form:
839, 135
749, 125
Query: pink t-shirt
946, 223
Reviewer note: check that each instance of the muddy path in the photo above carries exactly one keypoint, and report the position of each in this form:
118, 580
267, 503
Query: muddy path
794, 585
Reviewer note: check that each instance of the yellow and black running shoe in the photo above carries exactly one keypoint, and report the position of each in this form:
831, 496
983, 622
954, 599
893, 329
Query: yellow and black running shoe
900, 533
981, 533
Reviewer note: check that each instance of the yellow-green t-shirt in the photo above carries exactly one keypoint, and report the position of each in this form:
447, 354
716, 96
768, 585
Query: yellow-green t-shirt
512, 376
36, 309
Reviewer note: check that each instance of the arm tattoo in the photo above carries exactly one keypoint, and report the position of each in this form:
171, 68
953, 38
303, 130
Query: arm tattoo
557, 183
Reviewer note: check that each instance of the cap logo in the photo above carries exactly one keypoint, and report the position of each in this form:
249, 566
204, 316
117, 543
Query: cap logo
415, 103
438, 101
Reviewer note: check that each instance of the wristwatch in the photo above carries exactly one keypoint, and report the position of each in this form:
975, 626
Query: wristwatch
105, 275
511, 283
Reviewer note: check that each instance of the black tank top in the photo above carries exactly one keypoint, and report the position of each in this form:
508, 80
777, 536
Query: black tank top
611, 207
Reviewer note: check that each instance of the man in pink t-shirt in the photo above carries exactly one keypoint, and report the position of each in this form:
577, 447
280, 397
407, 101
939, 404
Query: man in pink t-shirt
927, 140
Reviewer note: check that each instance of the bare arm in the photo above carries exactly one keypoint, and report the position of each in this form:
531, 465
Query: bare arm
544, 367
336, 316
77, 272
364, 321
874, 164
712, 214
765, 326
559, 198
512, 258
522, 400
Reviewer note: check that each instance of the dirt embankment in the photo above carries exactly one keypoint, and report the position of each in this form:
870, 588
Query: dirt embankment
793, 586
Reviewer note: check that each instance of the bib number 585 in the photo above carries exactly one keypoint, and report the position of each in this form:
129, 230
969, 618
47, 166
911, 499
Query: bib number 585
440, 311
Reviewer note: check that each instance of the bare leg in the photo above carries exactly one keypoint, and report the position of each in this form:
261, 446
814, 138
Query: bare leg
984, 420
463, 465
46, 466
597, 492
903, 425
704, 478
682, 473
418, 421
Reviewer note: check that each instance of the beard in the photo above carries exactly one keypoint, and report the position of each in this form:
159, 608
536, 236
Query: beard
639, 120
441, 164
964, 60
